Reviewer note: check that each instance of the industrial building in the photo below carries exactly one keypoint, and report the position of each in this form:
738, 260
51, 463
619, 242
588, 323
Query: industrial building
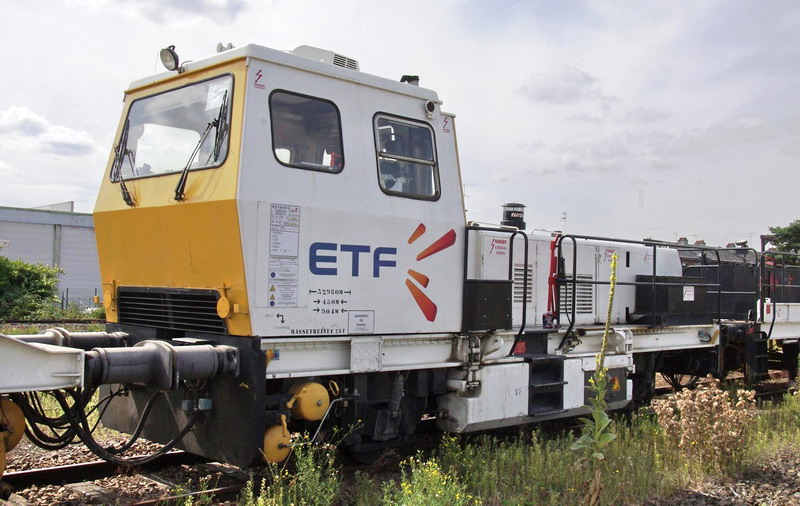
54, 235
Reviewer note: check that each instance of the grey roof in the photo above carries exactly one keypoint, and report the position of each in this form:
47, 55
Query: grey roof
46, 217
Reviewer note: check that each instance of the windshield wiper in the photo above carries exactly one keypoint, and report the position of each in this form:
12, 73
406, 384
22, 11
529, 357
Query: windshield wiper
120, 152
222, 128
220, 123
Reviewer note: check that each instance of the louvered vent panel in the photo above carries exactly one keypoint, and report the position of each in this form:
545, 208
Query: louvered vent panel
171, 308
345, 62
519, 279
584, 296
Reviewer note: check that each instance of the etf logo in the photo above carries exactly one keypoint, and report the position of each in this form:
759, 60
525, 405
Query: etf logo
316, 257
322, 263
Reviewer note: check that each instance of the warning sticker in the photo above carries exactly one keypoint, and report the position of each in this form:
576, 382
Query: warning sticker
284, 239
284, 230
282, 268
688, 293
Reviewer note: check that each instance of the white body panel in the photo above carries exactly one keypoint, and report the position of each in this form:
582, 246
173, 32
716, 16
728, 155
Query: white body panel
786, 318
502, 399
349, 294
489, 257
302, 357
503, 396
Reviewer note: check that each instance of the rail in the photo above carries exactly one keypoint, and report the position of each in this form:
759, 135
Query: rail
86, 471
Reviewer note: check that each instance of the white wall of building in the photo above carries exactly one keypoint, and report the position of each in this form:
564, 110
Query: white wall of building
55, 238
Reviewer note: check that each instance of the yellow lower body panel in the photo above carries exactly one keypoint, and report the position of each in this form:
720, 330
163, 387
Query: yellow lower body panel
179, 245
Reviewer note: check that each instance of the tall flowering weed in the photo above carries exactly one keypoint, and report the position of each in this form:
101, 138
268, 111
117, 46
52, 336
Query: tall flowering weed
424, 483
708, 424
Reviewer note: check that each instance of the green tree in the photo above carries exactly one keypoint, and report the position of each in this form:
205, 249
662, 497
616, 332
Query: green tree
26, 290
787, 238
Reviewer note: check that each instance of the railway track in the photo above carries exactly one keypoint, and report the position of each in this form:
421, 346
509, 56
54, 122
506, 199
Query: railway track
87, 471
166, 477
52, 322
170, 472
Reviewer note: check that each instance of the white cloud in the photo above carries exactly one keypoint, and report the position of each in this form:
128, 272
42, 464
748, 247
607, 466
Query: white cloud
23, 130
567, 86
577, 106
646, 115
175, 10
7, 170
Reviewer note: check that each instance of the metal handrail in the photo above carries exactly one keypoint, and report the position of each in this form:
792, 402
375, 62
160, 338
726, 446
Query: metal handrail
562, 280
761, 275
514, 233
753, 265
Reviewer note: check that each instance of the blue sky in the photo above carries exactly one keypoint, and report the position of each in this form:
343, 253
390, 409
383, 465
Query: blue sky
638, 119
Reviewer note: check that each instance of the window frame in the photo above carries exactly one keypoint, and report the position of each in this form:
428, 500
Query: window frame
272, 130
435, 165
178, 171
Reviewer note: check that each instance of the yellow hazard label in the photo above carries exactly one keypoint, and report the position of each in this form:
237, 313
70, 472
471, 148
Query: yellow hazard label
271, 297
272, 288
615, 383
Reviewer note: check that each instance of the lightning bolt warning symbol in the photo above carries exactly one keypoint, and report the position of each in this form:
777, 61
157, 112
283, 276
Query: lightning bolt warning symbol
256, 83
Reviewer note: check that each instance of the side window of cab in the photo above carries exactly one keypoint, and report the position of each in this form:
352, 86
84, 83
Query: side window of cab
406, 158
306, 132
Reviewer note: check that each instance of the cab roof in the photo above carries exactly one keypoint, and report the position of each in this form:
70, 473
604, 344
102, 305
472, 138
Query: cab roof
289, 59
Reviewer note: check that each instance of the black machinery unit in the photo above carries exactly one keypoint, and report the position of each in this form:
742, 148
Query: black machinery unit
487, 305
672, 300
738, 289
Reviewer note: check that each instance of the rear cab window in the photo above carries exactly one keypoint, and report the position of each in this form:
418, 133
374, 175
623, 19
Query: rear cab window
406, 158
306, 132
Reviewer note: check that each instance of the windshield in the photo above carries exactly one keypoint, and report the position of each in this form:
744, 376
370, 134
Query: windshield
164, 130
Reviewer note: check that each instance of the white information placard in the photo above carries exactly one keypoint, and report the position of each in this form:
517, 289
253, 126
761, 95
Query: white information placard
284, 239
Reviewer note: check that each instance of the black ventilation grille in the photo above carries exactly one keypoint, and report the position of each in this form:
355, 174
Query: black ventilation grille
171, 308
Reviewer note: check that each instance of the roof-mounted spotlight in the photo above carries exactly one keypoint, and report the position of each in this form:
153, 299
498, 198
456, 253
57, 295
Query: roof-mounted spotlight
169, 58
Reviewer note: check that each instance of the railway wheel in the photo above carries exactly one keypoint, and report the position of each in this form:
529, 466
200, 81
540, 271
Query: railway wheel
12, 424
12, 427
680, 381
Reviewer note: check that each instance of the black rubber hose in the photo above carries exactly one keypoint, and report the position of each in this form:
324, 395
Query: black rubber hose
139, 426
35, 433
82, 425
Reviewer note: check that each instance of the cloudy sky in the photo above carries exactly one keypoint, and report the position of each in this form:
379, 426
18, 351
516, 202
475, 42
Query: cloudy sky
636, 119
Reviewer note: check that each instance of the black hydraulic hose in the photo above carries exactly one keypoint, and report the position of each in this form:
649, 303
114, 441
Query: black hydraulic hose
81, 427
105, 402
39, 415
35, 433
139, 426
56, 445
772, 325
